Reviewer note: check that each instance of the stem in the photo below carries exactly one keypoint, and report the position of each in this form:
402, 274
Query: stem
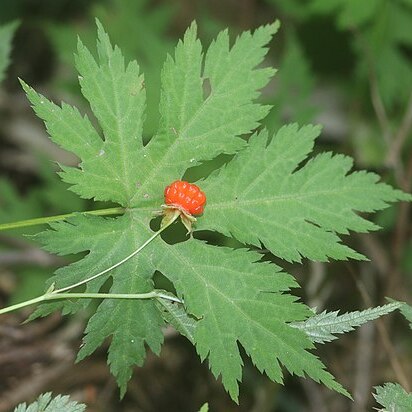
54, 296
57, 294
49, 219
134, 253
23, 304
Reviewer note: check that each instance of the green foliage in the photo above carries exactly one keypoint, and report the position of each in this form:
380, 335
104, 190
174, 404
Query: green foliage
321, 328
349, 13
175, 314
204, 408
393, 398
388, 33
294, 211
382, 30
139, 28
6, 36
45, 403
206, 104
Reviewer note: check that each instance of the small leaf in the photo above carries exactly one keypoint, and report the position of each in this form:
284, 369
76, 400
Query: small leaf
322, 328
393, 398
175, 314
204, 408
45, 403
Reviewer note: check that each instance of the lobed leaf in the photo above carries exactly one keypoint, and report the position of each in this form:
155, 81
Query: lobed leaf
265, 195
117, 98
130, 323
195, 127
45, 403
240, 301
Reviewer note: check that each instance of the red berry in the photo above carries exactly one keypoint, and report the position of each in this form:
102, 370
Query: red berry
186, 197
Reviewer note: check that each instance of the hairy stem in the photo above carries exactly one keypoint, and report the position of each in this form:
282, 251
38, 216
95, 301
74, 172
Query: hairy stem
49, 219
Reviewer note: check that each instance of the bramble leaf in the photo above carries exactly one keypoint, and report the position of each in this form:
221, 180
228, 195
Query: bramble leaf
295, 210
240, 301
229, 298
45, 403
131, 323
393, 398
194, 127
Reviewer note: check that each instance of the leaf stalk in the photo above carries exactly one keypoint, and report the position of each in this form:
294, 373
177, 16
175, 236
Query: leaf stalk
54, 294
56, 218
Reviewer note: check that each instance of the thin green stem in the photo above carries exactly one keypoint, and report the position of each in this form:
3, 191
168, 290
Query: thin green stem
49, 219
134, 253
58, 293
22, 304
53, 296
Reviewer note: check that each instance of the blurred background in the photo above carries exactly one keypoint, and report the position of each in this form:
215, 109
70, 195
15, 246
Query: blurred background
345, 64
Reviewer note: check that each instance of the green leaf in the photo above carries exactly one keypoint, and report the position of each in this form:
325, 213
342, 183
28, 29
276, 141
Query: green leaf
393, 398
322, 328
240, 301
204, 408
6, 36
175, 314
386, 37
229, 298
405, 309
142, 30
120, 169
195, 127
45, 403
117, 98
266, 195
131, 323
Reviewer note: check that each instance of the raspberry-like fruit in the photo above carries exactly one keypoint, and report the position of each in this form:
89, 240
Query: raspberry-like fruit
185, 199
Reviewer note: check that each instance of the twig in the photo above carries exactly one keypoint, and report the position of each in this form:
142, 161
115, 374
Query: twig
378, 105
376, 98
397, 142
